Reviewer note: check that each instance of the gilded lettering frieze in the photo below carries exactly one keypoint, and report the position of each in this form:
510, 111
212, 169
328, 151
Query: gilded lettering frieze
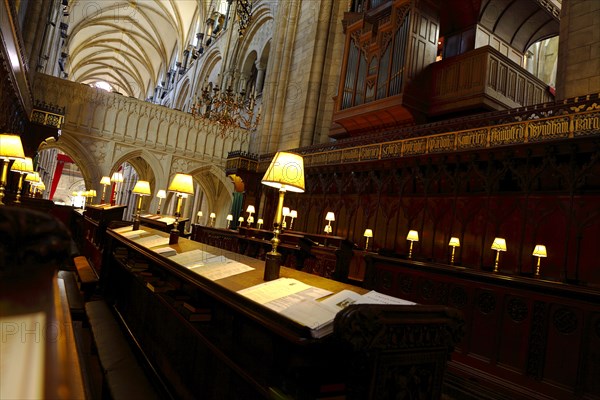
586, 124
441, 143
507, 134
555, 128
473, 139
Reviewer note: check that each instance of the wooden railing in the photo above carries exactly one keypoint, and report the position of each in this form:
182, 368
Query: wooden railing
483, 78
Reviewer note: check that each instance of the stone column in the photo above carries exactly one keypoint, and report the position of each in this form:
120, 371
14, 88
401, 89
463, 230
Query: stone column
260, 76
579, 49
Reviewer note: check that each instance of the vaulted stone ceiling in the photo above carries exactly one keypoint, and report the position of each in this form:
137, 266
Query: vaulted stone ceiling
129, 44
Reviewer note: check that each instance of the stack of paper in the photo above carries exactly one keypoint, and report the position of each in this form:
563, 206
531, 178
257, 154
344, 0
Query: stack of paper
152, 241
297, 301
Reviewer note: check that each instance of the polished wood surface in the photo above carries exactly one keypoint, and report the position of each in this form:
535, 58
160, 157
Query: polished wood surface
517, 327
241, 349
43, 294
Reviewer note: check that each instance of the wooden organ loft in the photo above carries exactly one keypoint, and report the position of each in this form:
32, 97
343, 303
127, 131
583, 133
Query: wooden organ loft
416, 61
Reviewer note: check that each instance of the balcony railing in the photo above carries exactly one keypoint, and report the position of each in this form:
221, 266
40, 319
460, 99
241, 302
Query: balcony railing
483, 79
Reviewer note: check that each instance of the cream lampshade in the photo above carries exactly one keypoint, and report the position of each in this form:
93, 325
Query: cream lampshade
117, 179
454, 243
368, 234
141, 188
498, 245
286, 173
329, 217
285, 212
240, 221
199, 215
413, 236
250, 209
229, 218
22, 166
539, 251
293, 215
181, 184
212, 218
11, 148
105, 181
34, 179
259, 223
161, 194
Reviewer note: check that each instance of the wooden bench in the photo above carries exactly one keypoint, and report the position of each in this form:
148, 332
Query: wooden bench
88, 280
74, 296
124, 377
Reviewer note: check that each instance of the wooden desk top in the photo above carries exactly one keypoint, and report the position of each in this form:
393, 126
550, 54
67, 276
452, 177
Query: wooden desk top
246, 279
225, 289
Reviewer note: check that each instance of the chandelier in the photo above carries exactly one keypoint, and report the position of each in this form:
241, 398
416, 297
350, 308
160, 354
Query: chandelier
227, 109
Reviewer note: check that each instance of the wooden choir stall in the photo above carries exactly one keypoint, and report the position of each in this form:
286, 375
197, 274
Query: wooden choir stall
213, 329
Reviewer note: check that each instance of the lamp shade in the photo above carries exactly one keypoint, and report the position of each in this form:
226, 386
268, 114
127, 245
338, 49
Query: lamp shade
23, 165
260, 221
294, 214
330, 216
413, 236
286, 172
142, 188
33, 177
213, 215
91, 192
199, 214
250, 209
182, 184
105, 180
11, 148
229, 217
162, 194
285, 211
241, 219
368, 233
117, 177
454, 242
540, 251
499, 244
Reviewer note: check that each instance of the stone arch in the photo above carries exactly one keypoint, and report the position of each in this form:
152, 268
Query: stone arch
80, 155
183, 95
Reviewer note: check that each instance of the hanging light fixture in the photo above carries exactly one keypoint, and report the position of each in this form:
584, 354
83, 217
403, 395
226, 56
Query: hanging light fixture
226, 109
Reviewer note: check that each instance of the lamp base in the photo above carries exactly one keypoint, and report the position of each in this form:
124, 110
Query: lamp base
174, 236
136, 224
272, 266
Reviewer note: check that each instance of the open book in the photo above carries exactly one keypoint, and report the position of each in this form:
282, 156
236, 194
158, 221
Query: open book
319, 315
298, 301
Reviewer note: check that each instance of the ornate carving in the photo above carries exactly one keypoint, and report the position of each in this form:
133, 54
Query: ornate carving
405, 282
427, 289
517, 309
458, 297
565, 320
537, 340
486, 302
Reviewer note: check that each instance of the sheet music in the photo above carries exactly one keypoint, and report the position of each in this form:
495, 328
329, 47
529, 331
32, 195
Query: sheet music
152, 241
132, 234
272, 290
166, 220
312, 293
220, 270
22, 351
192, 258
374, 297
123, 229
313, 314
